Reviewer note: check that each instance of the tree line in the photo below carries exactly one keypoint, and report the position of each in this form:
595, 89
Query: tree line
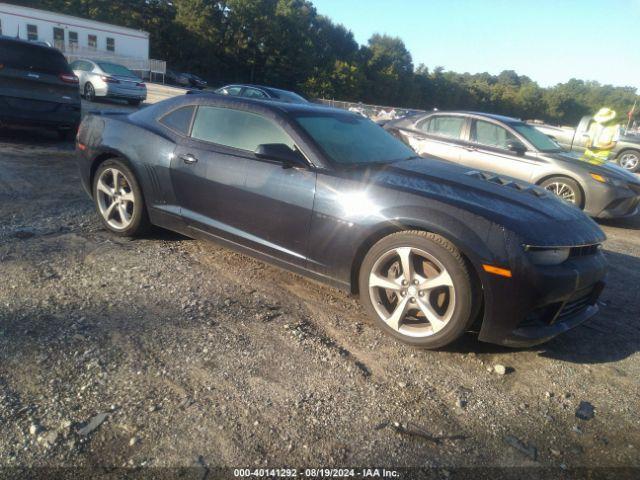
288, 44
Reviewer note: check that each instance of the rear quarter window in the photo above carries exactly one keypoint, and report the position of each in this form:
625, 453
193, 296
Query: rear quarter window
33, 58
179, 120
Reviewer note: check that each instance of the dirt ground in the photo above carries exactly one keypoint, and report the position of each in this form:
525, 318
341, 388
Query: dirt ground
166, 351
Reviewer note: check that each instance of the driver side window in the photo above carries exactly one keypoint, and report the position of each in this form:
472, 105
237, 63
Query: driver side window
491, 135
237, 129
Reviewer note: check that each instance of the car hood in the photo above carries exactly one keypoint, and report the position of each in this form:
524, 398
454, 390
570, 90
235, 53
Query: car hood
605, 168
537, 216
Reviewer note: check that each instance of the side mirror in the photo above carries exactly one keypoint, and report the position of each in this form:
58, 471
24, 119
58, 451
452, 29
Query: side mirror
517, 147
281, 153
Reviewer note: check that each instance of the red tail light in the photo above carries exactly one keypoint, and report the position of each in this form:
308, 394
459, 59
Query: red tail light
69, 78
109, 79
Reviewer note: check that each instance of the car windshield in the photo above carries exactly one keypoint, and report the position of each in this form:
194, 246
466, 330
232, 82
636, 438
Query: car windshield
115, 69
290, 97
535, 137
353, 140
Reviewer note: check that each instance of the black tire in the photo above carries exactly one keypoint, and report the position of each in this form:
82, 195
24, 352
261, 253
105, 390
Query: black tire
140, 223
467, 292
552, 184
89, 92
134, 103
629, 160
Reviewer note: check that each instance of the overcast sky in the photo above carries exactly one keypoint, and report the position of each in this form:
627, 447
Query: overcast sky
551, 41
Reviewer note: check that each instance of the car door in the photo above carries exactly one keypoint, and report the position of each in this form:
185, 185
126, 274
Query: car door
224, 189
439, 136
487, 150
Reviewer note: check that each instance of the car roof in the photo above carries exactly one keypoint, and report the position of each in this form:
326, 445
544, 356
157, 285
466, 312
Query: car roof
20, 41
491, 116
274, 106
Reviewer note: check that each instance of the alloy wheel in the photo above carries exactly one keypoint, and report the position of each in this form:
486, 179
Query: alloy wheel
562, 190
412, 292
629, 161
115, 198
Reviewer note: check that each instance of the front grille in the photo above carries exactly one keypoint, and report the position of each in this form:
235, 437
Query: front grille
635, 187
584, 251
579, 302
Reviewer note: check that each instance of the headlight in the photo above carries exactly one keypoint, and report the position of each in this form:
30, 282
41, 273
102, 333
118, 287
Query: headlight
548, 256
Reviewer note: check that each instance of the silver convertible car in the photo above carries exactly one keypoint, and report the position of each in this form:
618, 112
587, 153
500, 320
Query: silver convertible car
512, 148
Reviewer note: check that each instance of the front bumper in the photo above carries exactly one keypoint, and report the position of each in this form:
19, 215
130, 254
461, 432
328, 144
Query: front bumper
541, 302
609, 201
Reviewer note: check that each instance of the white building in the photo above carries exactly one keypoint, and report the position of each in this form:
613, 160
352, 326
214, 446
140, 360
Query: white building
78, 37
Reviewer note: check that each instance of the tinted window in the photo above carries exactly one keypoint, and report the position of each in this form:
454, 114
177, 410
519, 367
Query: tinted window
115, 69
229, 91
237, 129
353, 140
23, 56
490, 134
179, 120
289, 97
253, 93
444, 126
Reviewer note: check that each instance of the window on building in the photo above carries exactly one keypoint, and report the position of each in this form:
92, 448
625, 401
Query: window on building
32, 32
111, 44
92, 41
73, 39
58, 37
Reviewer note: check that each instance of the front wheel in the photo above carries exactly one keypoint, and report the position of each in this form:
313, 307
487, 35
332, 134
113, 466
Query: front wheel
565, 188
417, 287
630, 160
119, 199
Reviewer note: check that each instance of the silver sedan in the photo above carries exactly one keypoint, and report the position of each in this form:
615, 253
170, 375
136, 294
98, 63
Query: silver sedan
512, 148
106, 79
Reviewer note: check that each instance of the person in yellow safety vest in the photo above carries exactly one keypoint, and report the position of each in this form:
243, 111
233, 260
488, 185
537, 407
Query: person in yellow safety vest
603, 134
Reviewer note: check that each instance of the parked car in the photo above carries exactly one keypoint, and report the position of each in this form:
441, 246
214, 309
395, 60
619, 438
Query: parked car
109, 80
187, 80
515, 149
196, 82
261, 93
429, 246
177, 78
37, 88
626, 152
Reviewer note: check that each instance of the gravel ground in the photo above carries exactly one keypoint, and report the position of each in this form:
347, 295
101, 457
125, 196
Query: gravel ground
166, 351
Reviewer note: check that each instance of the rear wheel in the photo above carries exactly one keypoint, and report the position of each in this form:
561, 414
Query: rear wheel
630, 160
119, 199
89, 92
134, 103
418, 288
565, 188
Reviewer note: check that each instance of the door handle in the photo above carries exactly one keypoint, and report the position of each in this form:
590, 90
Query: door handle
188, 158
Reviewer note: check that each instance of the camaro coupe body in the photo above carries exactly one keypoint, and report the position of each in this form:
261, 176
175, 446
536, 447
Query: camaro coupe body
433, 249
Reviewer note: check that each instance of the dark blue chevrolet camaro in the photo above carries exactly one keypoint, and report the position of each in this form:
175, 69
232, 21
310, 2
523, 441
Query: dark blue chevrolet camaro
433, 249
